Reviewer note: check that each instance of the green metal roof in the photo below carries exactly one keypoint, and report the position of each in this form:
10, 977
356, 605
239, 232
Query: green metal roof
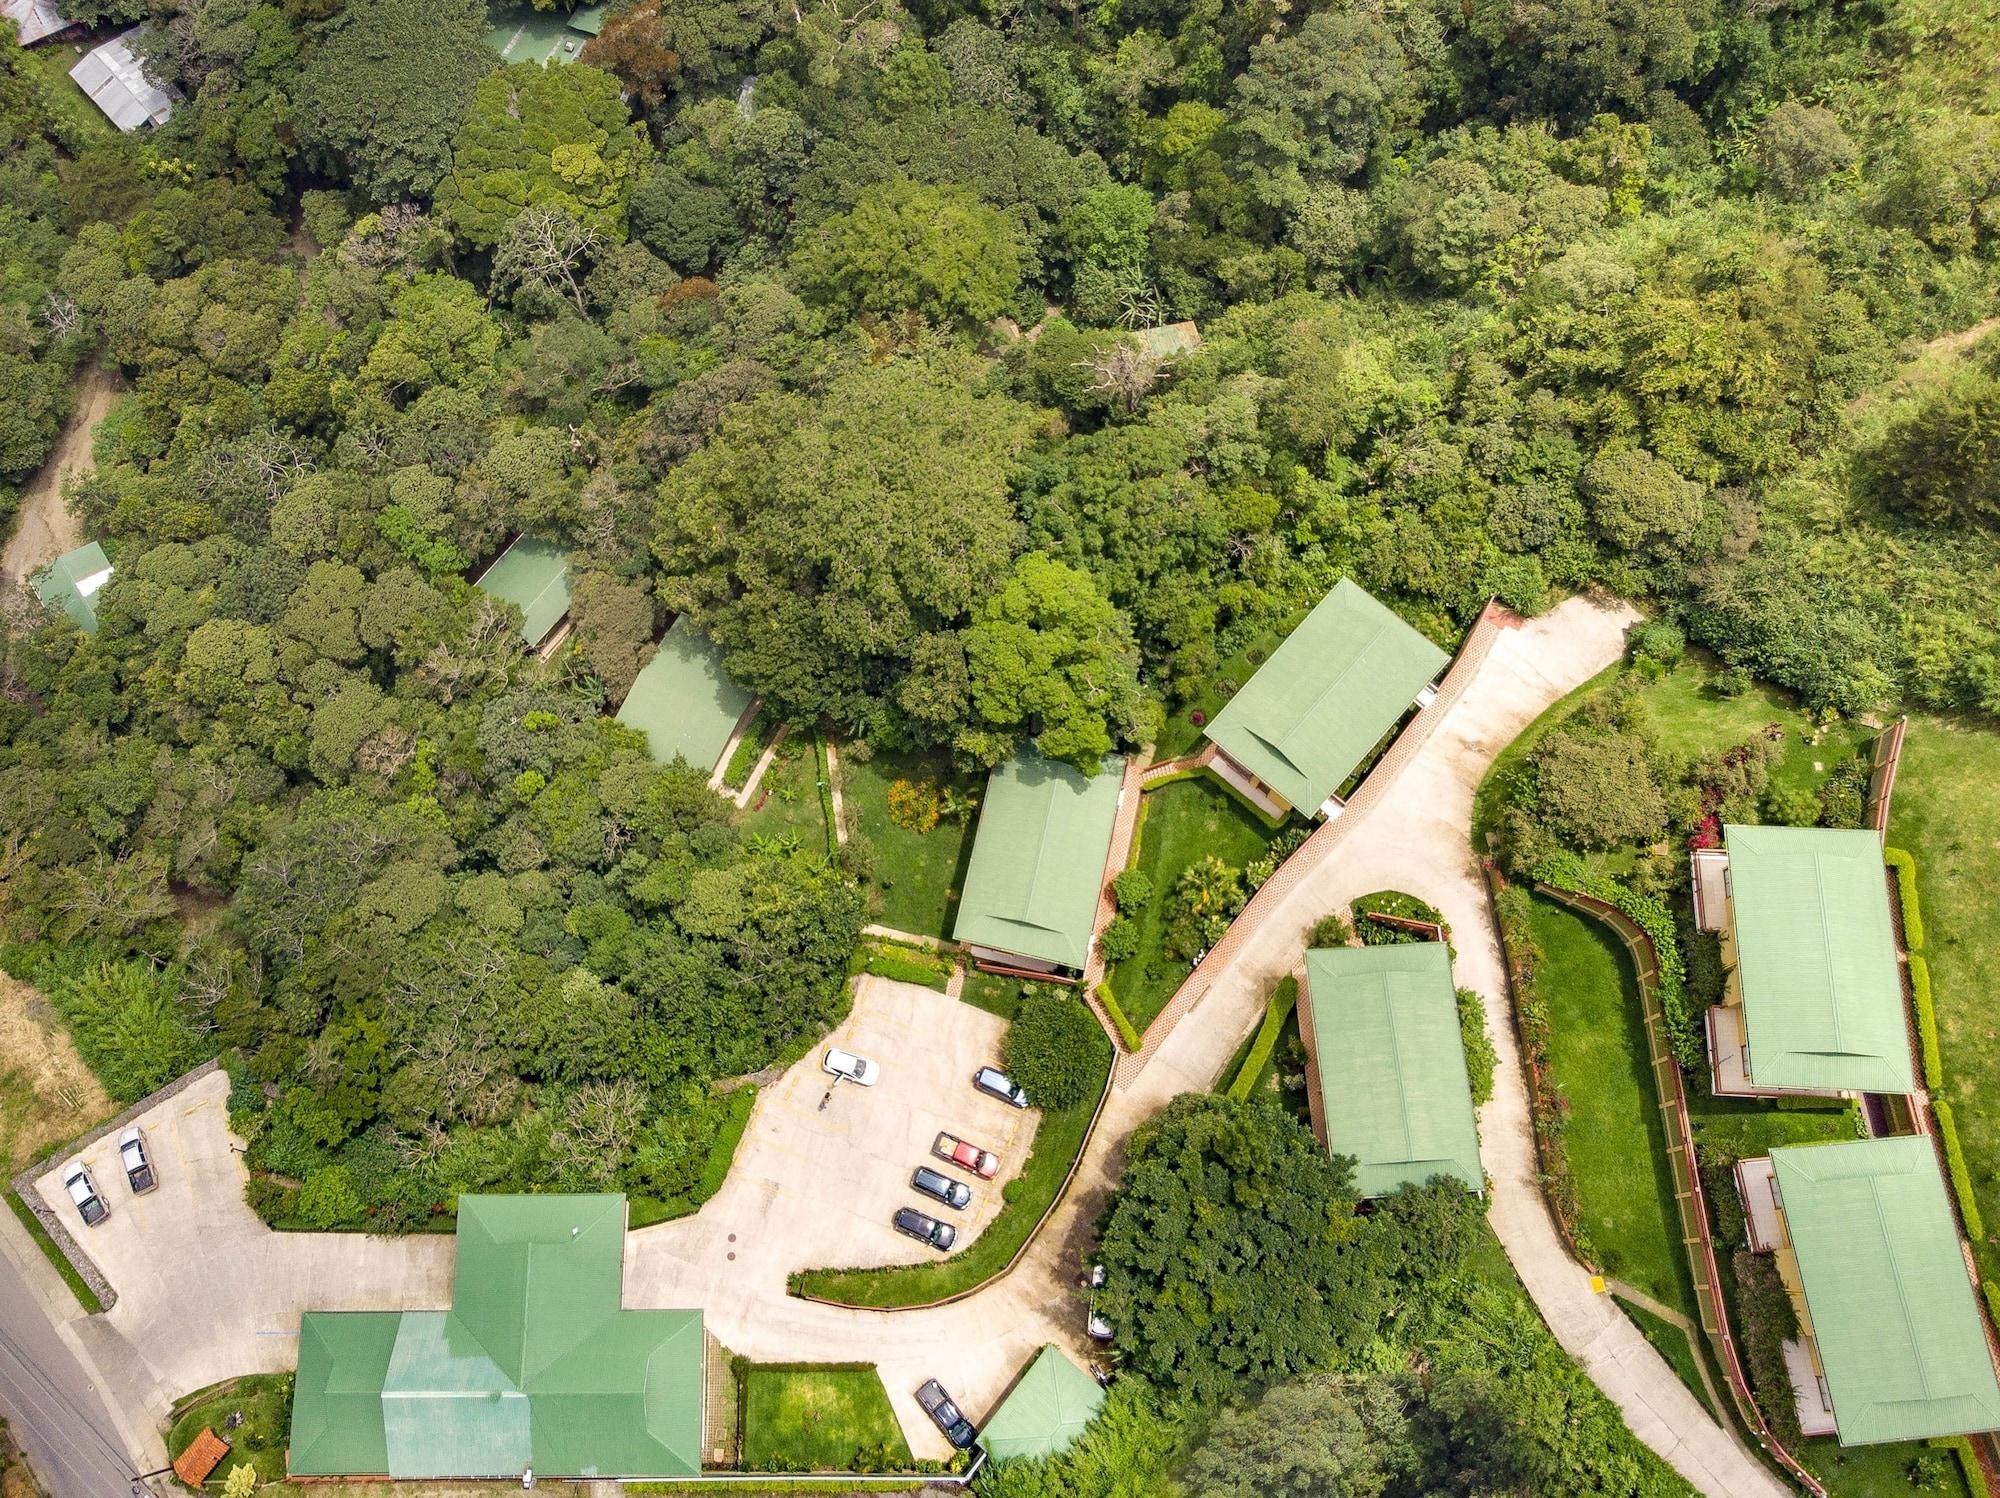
71, 583
532, 575
1045, 1411
544, 36
535, 1365
684, 702
1393, 1088
1816, 955
1900, 1339
1037, 867
1327, 696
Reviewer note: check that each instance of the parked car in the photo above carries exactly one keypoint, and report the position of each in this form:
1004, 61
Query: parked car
947, 1415
925, 1228
91, 1207
138, 1164
1095, 1325
845, 1064
954, 1194
996, 1083
982, 1163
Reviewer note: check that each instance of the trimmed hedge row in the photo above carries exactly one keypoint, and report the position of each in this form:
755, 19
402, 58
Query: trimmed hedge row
1905, 866
1128, 1036
902, 964
1568, 871
1284, 998
1968, 1463
826, 794
1927, 1032
1961, 1178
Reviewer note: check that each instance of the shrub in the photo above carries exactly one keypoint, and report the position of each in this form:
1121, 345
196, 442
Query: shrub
1330, 930
915, 806
1128, 1034
1765, 1311
1119, 940
1132, 891
127, 1022
903, 964
1961, 1178
1927, 1035
1734, 682
1049, 1050
328, 1200
1393, 902
1843, 797
1480, 1056
1906, 893
1205, 900
1794, 806
1657, 640
1597, 789
1284, 998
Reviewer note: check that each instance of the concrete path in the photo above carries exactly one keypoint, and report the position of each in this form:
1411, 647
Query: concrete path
732, 1258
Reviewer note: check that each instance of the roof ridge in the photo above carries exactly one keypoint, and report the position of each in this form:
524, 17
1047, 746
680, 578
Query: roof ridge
1402, 1088
1826, 929
1042, 840
1339, 678
1896, 1277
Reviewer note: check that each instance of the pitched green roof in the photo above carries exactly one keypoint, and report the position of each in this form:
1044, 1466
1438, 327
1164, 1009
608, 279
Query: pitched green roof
684, 702
1326, 696
532, 575
1045, 1411
1393, 1088
1816, 955
545, 36
71, 583
1037, 867
1899, 1335
535, 1364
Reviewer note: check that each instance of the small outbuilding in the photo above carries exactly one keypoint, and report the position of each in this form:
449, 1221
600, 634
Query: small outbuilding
1337, 687
195, 1465
685, 703
1386, 1075
72, 582
533, 575
117, 81
1047, 1409
1038, 866
1813, 997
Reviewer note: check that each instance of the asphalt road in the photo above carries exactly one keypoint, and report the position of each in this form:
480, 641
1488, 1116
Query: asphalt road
51, 1404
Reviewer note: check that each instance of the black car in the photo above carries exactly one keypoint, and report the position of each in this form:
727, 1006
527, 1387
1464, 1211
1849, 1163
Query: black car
954, 1194
950, 1419
996, 1083
926, 1229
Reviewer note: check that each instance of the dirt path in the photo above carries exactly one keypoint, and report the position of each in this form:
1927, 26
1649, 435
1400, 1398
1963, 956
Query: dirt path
1930, 361
45, 529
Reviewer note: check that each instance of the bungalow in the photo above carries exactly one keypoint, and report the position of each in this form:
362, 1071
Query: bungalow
35, 20
1047, 1409
116, 80
536, 1366
1891, 1346
532, 575
1813, 996
1390, 1088
1037, 870
1337, 686
685, 703
72, 582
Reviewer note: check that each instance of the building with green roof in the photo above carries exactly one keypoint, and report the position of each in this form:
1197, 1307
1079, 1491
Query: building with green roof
1891, 1344
545, 36
533, 575
1045, 1411
72, 582
684, 702
1336, 687
1813, 1001
1390, 1087
536, 1364
1037, 871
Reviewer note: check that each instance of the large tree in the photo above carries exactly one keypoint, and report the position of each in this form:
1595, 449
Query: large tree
911, 247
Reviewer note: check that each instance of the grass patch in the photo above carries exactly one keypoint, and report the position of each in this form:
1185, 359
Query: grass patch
749, 749
819, 1419
1947, 813
1184, 822
786, 809
646, 1210
85, 1296
1058, 1140
1878, 1471
264, 1400
1673, 1344
49, 65
916, 877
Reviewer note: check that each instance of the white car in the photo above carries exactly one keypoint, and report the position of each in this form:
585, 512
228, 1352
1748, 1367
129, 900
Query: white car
857, 1069
91, 1207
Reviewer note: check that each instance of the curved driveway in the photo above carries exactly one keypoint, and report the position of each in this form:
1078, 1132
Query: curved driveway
732, 1258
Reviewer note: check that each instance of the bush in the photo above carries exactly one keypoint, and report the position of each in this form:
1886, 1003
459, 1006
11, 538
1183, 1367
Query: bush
1927, 1034
1128, 1034
1961, 1178
1119, 940
1133, 891
903, 964
1480, 1056
1657, 640
1736, 681
1205, 900
127, 1021
915, 806
1284, 998
1049, 1051
1794, 806
328, 1200
1906, 893
1767, 1318
1330, 930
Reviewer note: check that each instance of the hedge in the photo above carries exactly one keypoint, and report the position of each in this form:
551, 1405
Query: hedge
826, 795
1906, 891
1992, 1293
1961, 1178
78, 1286
1927, 1033
1568, 871
903, 964
1128, 1037
1968, 1463
1284, 998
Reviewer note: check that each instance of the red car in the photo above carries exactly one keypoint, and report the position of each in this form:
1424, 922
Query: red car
982, 1163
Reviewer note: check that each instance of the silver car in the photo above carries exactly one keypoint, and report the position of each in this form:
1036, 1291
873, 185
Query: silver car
91, 1207
138, 1164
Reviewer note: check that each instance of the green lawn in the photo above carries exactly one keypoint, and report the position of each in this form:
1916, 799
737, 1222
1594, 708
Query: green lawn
786, 808
1674, 1345
264, 1400
1947, 812
1184, 820
819, 1419
917, 876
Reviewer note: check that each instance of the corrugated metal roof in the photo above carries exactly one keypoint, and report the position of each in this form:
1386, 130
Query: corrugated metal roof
33, 19
72, 582
543, 37
337, 1417
1045, 1412
118, 84
1816, 956
533, 575
1393, 1085
1885, 1283
683, 701
1327, 696
1037, 867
